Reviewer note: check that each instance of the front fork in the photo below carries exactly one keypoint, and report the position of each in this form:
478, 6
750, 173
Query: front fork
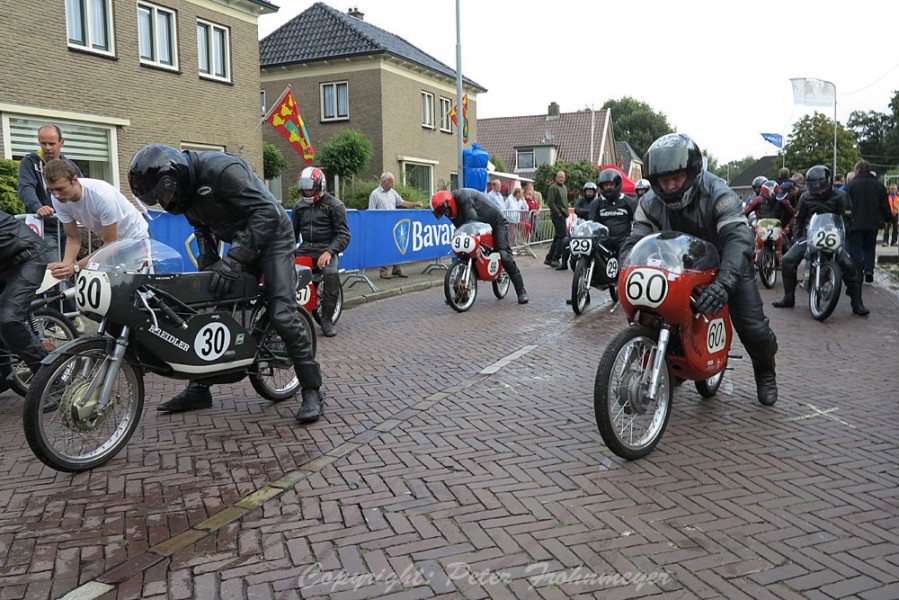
106, 374
657, 361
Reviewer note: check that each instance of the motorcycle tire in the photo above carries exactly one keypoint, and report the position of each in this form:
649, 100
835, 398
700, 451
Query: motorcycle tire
338, 308
613, 292
709, 387
52, 330
460, 295
631, 425
501, 285
823, 299
580, 287
62, 428
272, 374
767, 267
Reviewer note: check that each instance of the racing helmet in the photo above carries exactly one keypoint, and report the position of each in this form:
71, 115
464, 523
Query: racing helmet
161, 175
443, 203
757, 184
311, 183
590, 186
770, 190
671, 154
610, 176
641, 187
818, 180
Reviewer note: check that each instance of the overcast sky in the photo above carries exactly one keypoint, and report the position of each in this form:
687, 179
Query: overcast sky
719, 71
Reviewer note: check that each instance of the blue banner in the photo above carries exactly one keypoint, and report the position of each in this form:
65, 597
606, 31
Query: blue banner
774, 138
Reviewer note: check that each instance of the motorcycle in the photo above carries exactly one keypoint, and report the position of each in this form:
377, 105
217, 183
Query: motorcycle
768, 240
595, 266
665, 343
309, 296
86, 401
472, 244
824, 278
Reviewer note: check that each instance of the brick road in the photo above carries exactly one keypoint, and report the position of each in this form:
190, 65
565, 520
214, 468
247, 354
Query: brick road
450, 464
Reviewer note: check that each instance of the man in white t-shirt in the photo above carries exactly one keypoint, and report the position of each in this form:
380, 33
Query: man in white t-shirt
97, 205
384, 197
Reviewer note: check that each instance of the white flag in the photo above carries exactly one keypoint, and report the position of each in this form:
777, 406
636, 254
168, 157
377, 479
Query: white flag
814, 92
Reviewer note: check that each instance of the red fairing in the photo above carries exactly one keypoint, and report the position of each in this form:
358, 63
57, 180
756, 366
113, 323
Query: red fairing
312, 302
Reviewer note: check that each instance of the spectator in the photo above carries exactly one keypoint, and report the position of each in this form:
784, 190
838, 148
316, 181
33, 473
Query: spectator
557, 200
838, 182
516, 213
893, 222
385, 197
870, 207
783, 174
495, 194
532, 196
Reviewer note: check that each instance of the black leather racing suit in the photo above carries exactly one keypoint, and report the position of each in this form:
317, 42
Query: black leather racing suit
472, 205
322, 227
715, 214
617, 215
231, 203
23, 262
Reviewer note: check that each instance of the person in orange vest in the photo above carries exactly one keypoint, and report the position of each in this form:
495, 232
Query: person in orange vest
893, 221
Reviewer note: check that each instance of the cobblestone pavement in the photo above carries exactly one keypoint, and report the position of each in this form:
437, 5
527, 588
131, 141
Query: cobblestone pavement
458, 457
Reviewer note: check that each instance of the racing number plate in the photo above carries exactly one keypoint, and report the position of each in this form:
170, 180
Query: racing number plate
93, 292
646, 287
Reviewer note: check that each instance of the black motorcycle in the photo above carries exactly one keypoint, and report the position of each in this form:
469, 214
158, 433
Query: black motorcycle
824, 278
595, 266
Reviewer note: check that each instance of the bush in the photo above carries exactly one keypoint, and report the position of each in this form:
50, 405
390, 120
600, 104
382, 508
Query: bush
273, 161
9, 187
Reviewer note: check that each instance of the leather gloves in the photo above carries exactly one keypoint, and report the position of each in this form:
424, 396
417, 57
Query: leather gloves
224, 273
712, 299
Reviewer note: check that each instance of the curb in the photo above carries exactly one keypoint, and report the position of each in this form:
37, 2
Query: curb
398, 291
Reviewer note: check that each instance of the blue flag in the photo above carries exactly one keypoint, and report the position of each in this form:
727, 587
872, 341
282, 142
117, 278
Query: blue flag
774, 138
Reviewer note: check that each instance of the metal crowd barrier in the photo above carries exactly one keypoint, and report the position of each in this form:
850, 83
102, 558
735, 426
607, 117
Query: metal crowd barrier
527, 228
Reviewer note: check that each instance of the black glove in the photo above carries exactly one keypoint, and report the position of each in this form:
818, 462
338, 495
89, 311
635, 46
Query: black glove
712, 299
224, 273
207, 260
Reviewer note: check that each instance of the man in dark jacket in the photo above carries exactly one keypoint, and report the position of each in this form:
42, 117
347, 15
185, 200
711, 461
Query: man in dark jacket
465, 205
613, 209
23, 262
319, 224
819, 197
225, 200
688, 199
870, 208
557, 201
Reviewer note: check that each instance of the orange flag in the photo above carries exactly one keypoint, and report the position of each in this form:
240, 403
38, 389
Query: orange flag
453, 115
285, 117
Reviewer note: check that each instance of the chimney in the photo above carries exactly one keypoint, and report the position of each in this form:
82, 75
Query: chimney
552, 111
355, 12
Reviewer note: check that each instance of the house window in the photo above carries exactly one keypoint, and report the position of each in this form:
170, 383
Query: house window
418, 176
89, 25
427, 110
524, 159
446, 124
214, 51
335, 101
156, 33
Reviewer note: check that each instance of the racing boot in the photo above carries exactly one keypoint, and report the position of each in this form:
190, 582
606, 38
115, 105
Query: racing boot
310, 380
856, 298
327, 316
789, 299
518, 283
195, 395
765, 382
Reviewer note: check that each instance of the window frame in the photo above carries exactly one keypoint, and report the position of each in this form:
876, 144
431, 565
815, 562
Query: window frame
518, 153
154, 11
336, 87
87, 20
211, 28
415, 163
427, 110
446, 123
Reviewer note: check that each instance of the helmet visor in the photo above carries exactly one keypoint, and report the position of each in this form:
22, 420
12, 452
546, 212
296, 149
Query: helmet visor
162, 194
306, 185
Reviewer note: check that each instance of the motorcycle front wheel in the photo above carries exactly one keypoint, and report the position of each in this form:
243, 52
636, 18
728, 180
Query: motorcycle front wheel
501, 285
631, 424
460, 291
767, 267
338, 308
580, 287
823, 298
52, 329
66, 429
272, 374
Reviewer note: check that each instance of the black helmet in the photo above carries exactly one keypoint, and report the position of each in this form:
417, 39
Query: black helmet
610, 176
668, 155
757, 184
818, 180
589, 186
161, 175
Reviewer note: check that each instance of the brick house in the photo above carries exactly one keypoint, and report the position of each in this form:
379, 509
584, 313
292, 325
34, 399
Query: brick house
347, 73
118, 74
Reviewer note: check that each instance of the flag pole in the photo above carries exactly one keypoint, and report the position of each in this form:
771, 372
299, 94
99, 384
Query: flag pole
834, 127
460, 122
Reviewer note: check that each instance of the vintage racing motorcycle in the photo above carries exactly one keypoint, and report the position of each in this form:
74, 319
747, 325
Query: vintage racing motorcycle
85, 402
472, 244
824, 278
768, 240
665, 343
309, 297
595, 265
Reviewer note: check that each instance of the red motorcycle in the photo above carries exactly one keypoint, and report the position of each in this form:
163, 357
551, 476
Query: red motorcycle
473, 246
309, 296
665, 343
768, 240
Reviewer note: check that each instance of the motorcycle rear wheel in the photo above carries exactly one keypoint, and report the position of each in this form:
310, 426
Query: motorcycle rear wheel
630, 424
580, 287
338, 308
823, 299
460, 294
501, 285
709, 387
52, 330
63, 427
767, 267
272, 374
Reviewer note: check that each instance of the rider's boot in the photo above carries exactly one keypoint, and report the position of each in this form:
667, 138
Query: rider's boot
518, 282
765, 381
327, 317
195, 395
310, 377
789, 299
856, 298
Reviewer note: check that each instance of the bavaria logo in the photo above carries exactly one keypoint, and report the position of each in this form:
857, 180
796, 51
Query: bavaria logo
401, 235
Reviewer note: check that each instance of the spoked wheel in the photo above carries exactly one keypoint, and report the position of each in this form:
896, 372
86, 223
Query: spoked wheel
66, 427
630, 423
767, 267
338, 308
273, 375
709, 387
460, 291
580, 287
501, 285
823, 298
52, 329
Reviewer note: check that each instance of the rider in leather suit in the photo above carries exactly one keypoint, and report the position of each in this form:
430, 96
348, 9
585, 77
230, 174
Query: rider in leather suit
465, 205
225, 200
820, 197
773, 202
581, 211
688, 199
613, 209
23, 262
319, 221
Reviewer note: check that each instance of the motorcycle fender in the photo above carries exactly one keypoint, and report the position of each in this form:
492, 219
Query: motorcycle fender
69, 347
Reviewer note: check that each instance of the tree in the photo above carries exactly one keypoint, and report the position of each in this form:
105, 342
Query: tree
811, 143
9, 185
891, 137
498, 164
637, 123
273, 161
576, 175
733, 168
346, 154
